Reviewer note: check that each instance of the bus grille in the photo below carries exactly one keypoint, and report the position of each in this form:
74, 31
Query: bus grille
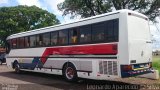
108, 67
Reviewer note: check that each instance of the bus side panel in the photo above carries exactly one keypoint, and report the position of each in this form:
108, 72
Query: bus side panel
123, 40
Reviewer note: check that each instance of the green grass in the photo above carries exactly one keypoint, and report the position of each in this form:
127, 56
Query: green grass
156, 63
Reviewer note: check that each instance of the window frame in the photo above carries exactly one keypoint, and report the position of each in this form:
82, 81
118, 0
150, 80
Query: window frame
80, 29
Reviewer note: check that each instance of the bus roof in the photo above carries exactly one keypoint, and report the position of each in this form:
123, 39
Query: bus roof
81, 20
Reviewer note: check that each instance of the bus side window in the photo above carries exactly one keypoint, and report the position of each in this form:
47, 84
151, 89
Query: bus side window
39, 40
116, 31
98, 32
8, 46
21, 42
112, 30
17, 43
14, 43
46, 39
54, 38
63, 37
32, 41
73, 36
26, 42
85, 34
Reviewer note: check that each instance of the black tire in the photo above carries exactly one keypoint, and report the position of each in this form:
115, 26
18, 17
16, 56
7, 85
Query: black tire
69, 72
0, 62
17, 68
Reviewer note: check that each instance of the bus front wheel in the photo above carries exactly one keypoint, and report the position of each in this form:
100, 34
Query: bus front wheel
17, 68
0, 62
69, 72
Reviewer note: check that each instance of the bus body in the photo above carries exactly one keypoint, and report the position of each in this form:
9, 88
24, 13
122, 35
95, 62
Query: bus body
102, 47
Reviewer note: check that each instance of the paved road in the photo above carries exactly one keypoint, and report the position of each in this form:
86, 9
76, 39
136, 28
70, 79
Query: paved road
38, 81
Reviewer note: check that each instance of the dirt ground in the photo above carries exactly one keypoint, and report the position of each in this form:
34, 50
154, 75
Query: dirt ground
38, 81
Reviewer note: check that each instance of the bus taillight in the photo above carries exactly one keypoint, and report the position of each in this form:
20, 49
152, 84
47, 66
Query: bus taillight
127, 67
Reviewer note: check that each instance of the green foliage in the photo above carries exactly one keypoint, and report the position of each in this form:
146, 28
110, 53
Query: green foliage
87, 8
156, 63
23, 18
147, 7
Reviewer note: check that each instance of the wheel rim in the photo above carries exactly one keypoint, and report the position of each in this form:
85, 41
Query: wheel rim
70, 73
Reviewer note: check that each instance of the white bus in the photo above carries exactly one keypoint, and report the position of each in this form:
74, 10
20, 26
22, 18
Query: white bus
108, 46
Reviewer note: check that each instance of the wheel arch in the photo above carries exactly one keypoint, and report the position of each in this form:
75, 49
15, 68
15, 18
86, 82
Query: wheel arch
68, 62
14, 63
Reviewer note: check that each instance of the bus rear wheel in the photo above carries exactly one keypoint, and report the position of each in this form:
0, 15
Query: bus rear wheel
69, 72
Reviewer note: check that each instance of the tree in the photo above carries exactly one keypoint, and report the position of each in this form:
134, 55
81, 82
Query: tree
23, 18
87, 8
147, 7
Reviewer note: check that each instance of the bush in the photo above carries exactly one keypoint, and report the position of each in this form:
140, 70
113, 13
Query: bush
156, 63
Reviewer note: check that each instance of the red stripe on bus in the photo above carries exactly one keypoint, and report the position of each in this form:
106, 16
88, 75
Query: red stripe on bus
81, 50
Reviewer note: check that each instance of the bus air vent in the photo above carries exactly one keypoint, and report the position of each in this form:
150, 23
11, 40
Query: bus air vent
108, 67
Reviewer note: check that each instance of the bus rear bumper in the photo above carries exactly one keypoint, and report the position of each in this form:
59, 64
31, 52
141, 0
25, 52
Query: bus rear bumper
136, 72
